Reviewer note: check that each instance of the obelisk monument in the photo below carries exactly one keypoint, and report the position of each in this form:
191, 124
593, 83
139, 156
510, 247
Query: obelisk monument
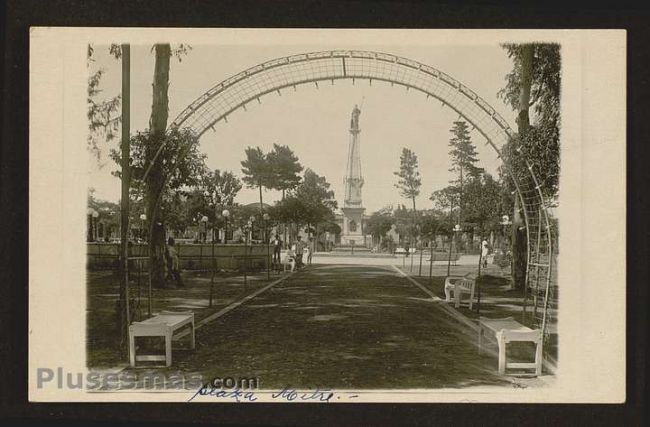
352, 205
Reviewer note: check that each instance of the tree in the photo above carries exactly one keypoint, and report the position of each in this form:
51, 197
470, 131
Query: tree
291, 210
380, 223
180, 166
463, 159
225, 185
446, 199
485, 205
103, 118
409, 181
318, 200
533, 82
285, 168
257, 170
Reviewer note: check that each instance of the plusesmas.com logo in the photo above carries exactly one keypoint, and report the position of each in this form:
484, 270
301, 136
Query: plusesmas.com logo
124, 380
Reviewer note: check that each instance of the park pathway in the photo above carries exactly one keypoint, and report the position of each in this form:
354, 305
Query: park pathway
341, 326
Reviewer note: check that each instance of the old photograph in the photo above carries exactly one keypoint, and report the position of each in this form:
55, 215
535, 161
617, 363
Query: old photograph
297, 219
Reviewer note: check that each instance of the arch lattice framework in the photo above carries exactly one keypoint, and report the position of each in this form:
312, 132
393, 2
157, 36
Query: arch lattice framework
325, 67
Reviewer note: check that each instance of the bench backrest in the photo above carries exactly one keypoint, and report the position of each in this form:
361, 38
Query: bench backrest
467, 283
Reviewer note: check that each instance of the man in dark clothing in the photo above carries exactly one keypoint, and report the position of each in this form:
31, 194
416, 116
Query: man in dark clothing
277, 249
300, 248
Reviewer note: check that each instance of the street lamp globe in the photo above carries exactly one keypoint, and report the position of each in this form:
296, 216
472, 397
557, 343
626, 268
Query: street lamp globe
204, 218
225, 213
456, 227
143, 217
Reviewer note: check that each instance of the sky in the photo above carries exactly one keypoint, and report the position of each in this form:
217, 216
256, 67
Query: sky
314, 121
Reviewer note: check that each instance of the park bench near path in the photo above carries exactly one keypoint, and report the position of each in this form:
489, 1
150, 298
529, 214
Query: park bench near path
163, 325
460, 285
508, 330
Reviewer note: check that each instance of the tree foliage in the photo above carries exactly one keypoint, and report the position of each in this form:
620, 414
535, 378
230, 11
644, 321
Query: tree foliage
463, 153
103, 115
540, 144
409, 181
257, 170
180, 159
284, 168
319, 202
380, 222
224, 186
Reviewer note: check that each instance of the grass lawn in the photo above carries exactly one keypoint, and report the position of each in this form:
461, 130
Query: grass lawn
497, 301
103, 291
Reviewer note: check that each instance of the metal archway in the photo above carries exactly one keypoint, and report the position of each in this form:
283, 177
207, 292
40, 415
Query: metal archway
327, 66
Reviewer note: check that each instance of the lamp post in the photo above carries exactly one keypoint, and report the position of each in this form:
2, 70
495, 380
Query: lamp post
143, 218
225, 214
454, 230
265, 217
249, 233
95, 216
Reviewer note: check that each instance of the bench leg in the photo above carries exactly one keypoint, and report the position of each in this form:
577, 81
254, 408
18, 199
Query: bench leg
168, 349
131, 349
447, 294
502, 353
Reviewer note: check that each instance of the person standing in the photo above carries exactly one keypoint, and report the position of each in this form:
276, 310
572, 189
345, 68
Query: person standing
277, 249
174, 263
484, 252
300, 248
310, 250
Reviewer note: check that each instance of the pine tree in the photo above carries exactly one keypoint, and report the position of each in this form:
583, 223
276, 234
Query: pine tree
409, 181
463, 159
256, 169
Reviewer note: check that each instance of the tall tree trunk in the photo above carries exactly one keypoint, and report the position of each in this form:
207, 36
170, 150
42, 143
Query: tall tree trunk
414, 219
156, 180
123, 304
523, 125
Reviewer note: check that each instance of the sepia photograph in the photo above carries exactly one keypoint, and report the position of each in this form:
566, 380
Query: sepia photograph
292, 217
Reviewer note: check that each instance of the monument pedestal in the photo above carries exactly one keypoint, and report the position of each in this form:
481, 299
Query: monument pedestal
352, 227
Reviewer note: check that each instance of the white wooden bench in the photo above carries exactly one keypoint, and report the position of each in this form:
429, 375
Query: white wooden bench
460, 285
508, 330
162, 325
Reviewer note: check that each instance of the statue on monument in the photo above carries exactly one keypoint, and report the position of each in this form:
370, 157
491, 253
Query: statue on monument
354, 122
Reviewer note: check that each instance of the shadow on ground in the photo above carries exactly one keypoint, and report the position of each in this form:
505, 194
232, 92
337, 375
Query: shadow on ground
344, 327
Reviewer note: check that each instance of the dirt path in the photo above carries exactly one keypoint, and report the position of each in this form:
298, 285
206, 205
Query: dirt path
340, 326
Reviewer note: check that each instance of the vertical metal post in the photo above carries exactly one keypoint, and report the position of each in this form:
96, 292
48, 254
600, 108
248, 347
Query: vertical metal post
245, 259
268, 250
420, 270
449, 260
126, 178
214, 264
431, 263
